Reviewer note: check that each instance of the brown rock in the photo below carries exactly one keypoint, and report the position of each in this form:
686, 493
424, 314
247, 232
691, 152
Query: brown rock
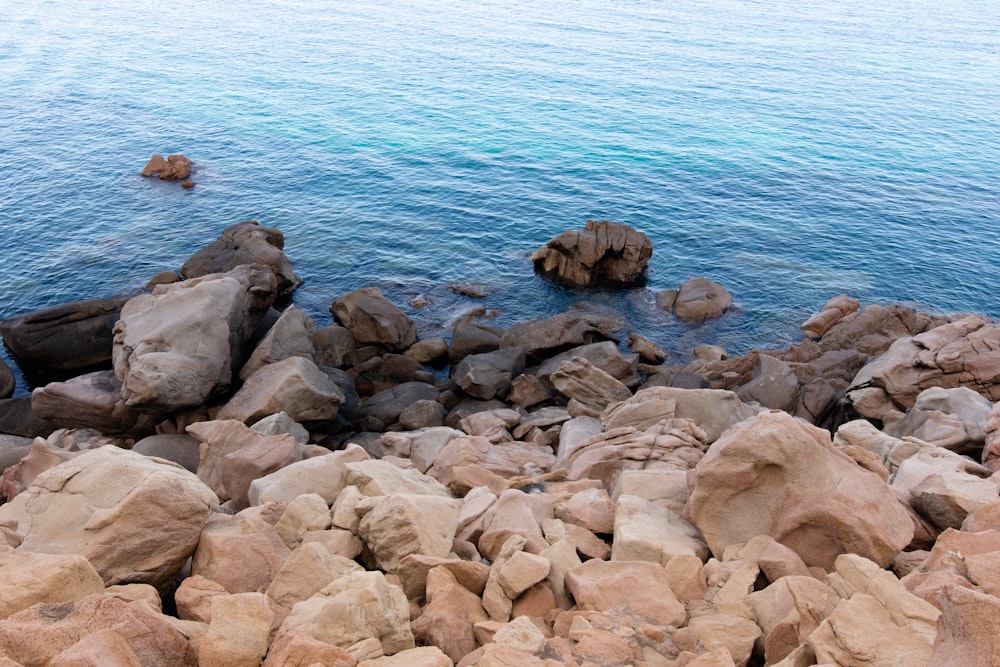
835, 310
238, 632
448, 618
714, 631
701, 299
778, 476
242, 553
324, 475
402, 524
293, 648
30, 578
373, 320
603, 253
295, 386
636, 589
968, 630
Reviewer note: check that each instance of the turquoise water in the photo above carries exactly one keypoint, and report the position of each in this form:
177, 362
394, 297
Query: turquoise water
790, 150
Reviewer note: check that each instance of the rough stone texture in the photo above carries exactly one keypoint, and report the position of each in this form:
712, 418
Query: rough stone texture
707, 633
292, 648
834, 311
713, 410
991, 452
135, 519
175, 167
402, 525
645, 531
701, 299
969, 630
605, 355
669, 444
72, 336
637, 589
180, 449
788, 611
581, 381
962, 353
92, 401
245, 242
295, 386
451, 611
29, 578
180, 345
355, 607
7, 382
59, 447
323, 475
381, 478
774, 384
546, 337
239, 631
471, 461
601, 254
489, 375
242, 553
304, 514
38, 634
951, 418
388, 404
290, 336
374, 320
779, 476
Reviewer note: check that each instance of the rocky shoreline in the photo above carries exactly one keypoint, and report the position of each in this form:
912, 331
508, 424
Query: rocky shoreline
216, 480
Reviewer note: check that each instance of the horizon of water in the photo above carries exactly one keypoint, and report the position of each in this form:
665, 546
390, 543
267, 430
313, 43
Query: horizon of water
790, 151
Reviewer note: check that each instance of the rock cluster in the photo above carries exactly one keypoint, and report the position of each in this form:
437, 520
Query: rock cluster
245, 488
601, 254
175, 167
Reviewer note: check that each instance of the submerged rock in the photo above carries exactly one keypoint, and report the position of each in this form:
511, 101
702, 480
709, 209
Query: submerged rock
601, 254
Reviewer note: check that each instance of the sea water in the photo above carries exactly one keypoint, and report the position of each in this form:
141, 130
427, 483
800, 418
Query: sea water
790, 150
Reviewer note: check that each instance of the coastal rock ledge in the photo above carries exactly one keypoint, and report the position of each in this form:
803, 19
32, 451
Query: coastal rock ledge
602, 254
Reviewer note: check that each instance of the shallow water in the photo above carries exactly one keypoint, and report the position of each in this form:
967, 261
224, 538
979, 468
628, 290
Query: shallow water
790, 150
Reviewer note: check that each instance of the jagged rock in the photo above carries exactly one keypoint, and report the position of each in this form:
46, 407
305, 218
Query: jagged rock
648, 351
632, 588
135, 519
604, 355
951, 418
290, 336
72, 336
734, 634
180, 345
93, 400
451, 611
295, 386
382, 478
789, 611
324, 475
246, 242
374, 320
647, 532
489, 375
304, 514
963, 353
293, 647
775, 475
401, 525
601, 254
42, 454
242, 553
175, 168
833, 312
591, 388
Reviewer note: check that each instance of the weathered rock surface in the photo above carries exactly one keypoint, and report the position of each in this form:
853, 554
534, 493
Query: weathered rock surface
834, 311
135, 519
779, 476
175, 167
295, 386
699, 299
72, 336
180, 345
601, 254
546, 337
93, 400
291, 336
245, 242
7, 382
374, 320
28, 578
489, 375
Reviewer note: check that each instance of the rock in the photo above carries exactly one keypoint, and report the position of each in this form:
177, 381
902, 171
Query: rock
789, 611
60, 447
782, 477
604, 355
601, 254
515, 514
290, 336
713, 410
293, 647
664, 486
472, 338
295, 386
38, 634
238, 632
233, 455
546, 337
420, 446
422, 656
527, 391
73, 336
701, 299
16, 418
245, 242
671, 444
522, 571
967, 631
92, 401
774, 384
591, 388
962, 353
28, 578
648, 351
471, 461
448, 618
373, 320
387, 405
175, 168
631, 588
647, 532
381, 478
707, 633
306, 513
401, 525
7, 382
307, 571
179, 449
489, 375
422, 414
324, 475
281, 424
332, 344
991, 451
242, 553
355, 607
429, 352
833, 312
135, 519
591, 508
951, 418
178, 346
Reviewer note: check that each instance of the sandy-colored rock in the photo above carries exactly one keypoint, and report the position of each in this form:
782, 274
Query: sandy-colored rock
292, 648
193, 598
581, 381
29, 578
381, 478
515, 513
60, 446
104, 648
645, 531
701, 299
421, 446
546, 337
788, 611
522, 571
602, 253
36, 635
290, 336
713, 410
778, 476
243, 553
403, 524
952, 418
832, 312
93, 400
295, 386
708, 633
238, 632
636, 589
968, 630
591, 508
180, 345
448, 618
471, 461
774, 559
353, 608
134, 518
422, 656
324, 475
413, 571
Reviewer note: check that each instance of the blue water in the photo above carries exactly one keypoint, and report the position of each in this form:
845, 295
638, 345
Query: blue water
788, 149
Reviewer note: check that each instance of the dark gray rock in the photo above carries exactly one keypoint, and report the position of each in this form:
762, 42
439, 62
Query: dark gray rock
489, 375
387, 405
473, 338
181, 449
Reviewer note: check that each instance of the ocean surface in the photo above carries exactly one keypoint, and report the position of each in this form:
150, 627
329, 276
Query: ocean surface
790, 150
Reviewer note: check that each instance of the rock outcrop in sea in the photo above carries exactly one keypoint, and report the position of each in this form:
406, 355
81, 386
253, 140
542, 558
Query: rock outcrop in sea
235, 485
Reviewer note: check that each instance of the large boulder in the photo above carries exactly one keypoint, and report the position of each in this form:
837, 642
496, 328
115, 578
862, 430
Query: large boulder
374, 320
713, 410
489, 375
701, 299
93, 400
295, 386
72, 336
963, 353
245, 242
951, 418
546, 337
601, 254
180, 345
290, 336
28, 578
136, 519
776, 475
833, 312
